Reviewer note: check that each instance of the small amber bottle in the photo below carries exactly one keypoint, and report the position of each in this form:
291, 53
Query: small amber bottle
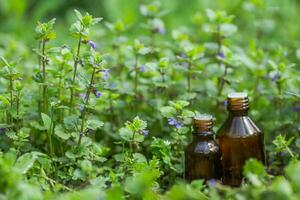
239, 140
202, 155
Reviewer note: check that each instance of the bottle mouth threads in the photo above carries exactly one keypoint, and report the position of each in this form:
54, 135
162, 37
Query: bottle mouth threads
238, 101
203, 123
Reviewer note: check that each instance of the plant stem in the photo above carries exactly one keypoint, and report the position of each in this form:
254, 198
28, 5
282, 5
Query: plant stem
111, 109
75, 70
222, 81
11, 95
290, 152
50, 132
136, 76
44, 60
189, 78
131, 143
87, 97
18, 110
162, 73
40, 69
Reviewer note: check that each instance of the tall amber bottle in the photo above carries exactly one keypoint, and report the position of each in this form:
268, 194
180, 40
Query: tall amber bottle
239, 139
202, 155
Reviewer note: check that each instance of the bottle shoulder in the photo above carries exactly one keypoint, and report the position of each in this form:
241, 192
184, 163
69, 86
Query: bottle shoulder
203, 147
239, 127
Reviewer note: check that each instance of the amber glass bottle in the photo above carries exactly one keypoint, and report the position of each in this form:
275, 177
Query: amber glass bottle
239, 139
202, 155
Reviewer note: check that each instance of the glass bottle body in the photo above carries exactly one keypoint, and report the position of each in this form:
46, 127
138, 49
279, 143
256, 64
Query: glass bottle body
239, 140
203, 158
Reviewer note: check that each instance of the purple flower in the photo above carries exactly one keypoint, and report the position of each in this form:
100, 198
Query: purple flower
275, 78
183, 55
221, 55
2, 131
112, 85
81, 108
98, 94
143, 68
92, 44
178, 125
296, 108
161, 30
106, 74
173, 122
212, 183
83, 96
225, 103
145, 133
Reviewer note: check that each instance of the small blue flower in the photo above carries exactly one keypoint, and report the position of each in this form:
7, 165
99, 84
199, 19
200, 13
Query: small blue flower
92, 44
275, 78
212, 183
2, 131
225, 103
296, 108
178, 125
112, 85
183, 55
106, 74
161, 30
98, 94
83, 96
81, 108
221, 55
173, 122
145, 132
143, 68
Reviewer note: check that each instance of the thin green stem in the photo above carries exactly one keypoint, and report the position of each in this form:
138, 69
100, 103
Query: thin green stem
77, 59
44, 61
189, 78
11, 82
50, 133
290, 152
87, 97
136, 77
131, 143
111, 109
18, 110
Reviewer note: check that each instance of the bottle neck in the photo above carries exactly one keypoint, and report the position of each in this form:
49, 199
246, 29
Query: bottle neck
200, 136
203, 128
237, 113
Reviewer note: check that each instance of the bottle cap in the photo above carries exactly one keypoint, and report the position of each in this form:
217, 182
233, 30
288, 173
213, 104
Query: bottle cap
238, 101
203, 122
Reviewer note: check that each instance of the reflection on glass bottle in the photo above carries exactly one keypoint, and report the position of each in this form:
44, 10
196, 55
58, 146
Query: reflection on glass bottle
239, 139
202, 155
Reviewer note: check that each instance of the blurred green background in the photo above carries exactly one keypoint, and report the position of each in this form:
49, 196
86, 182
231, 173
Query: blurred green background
274, 20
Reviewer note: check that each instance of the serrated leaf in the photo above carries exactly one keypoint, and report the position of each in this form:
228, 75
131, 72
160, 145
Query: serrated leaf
94, 124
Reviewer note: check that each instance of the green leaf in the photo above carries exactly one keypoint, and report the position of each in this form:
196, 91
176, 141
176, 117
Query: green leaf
253, 166
26, 161
46, 120
94, 124
292, 171
60, 133
168, 111
78, 14
227, 29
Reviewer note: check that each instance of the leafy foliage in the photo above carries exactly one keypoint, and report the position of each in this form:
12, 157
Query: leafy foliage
107, 115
